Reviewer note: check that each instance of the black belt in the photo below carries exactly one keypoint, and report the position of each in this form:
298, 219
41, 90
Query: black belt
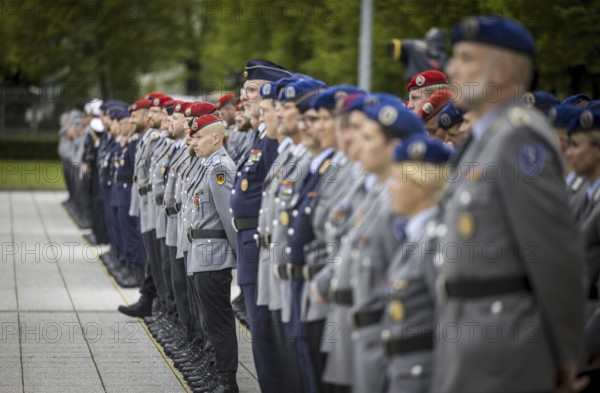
178, 206
290, 271
143, 190
245, 223
149, 187
171, 211
341, 297
264, 241
361, 319
124, 179
310, 271
476, 288
206, 234
403, 345
159, 199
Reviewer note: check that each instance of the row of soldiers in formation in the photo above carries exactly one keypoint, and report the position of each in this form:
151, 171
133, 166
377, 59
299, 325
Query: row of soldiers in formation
446, 244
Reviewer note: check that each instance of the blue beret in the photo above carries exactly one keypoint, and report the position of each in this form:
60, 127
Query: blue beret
587, 119
303, 93
330, 97
262, 69
562, 115
423, 149
450, 116
391, 113
496, 31
541, 100
272, 89
574, 99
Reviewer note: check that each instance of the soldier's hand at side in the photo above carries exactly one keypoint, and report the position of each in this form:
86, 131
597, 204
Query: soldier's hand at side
567, 381
85, 169
317, 295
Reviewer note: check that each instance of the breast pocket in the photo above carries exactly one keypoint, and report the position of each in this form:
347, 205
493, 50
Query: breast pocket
204, 204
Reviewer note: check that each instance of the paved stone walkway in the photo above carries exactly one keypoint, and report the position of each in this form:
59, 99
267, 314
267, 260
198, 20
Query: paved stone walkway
59, 328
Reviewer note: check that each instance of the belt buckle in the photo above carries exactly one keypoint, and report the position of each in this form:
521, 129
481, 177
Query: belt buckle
441, 289
352, 318
189, 235
233, 224
289, 269
306, 272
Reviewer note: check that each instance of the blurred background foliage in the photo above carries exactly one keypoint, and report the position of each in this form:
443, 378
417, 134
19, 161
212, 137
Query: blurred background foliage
118, 48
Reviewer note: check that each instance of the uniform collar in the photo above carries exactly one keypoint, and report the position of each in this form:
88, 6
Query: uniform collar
570, 177
319, 159
591, 191
370, 181
416, 223
298, 150
213, 158
284, 145
481, 125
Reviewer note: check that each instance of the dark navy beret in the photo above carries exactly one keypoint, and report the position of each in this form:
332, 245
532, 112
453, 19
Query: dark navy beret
262, 69
496, 31
450, 116
562, 115
573, 100
541, 100
391, 113
587, 119
422, 148
118, 113
331, 97
303, 93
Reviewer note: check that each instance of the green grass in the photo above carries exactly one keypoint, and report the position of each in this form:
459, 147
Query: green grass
31, 175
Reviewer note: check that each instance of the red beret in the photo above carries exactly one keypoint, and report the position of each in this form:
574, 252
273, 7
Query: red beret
427, 78
225, 99
161, 101
199, 123
152, 95
140, 104
200, 108
181, 106
434, 104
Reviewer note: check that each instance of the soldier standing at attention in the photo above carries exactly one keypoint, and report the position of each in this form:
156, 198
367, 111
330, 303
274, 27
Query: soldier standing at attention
245, 205
511, 256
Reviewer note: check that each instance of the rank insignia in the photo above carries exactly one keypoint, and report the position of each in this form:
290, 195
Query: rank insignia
284, 218
163, 170
286, 188
311, 194
244, 185
255, 155
220, 178
466, 225
324, 166
396, 310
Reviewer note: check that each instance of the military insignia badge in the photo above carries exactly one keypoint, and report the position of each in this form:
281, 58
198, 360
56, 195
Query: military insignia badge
466, 225
518, 117
245, 73
284, 218
255, 155
220, 178
396, 310
420, 81
586, 119
177, 107
266, 89
311, 194
156, 102
324, 166
387, 115
427, 107
290, 92
188, 112
417, 150
531, 158
286, 188
244, 185
529, 99
446, 120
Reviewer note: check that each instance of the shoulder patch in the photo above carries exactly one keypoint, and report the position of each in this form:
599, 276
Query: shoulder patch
220, 178
532, 158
